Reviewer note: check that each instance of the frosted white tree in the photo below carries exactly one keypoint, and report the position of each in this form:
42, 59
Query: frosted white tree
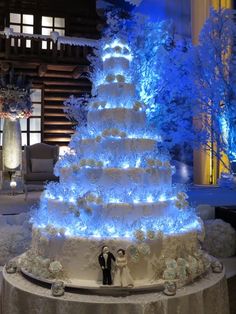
215, 81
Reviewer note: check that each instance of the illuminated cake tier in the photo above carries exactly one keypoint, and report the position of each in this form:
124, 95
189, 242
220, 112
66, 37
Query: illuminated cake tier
115, 148
127, 120
115, 189
110, 211
118, 179
118, 92
115, 65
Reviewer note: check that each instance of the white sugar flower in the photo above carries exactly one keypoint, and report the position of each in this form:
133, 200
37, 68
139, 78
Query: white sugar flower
159, 235
110, 78
139, 235
144, 249
120, 78
133, 253
150, 234
151, 162
98, 138
55, 267
122, 134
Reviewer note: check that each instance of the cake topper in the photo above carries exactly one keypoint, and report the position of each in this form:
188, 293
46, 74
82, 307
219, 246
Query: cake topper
122, 275
105, 261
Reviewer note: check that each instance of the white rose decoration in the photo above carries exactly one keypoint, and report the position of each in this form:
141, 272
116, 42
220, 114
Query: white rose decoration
55, 267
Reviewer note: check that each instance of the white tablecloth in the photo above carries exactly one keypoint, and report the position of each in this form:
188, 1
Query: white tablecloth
208, 295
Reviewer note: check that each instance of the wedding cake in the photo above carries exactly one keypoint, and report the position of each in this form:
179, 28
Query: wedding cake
115, 191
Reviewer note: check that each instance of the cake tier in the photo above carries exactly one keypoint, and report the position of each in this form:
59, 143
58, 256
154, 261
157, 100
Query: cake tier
131, 212
116, 65
120, 180
115, 149
147, 260
128, 120
117, 93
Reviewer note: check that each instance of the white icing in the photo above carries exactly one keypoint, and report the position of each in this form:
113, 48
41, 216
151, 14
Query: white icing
118, 178
116, 149
116, 65
117, 93
121, 118
79, 256
131, 211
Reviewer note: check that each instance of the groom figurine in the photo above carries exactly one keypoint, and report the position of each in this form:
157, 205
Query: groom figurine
105, 260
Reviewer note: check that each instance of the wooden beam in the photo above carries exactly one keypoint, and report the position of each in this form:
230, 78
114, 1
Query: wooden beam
53, 98
68, 82
57, 139
43, 68
54, 114
53, 107
63, 90
60, 131
5, 66
79, 70
59, 122
61, 67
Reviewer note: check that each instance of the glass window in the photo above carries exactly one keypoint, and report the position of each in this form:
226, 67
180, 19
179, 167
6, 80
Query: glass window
35, 138
28, 43
15, 18
59, 22
28, 19
37, 110
28, 29
44, 44
16, 28
35, 124
24, 139
23, 124
46, 31
52, 24
36, 95
22, 23
60, 31
47, 21
31, 127
1, 124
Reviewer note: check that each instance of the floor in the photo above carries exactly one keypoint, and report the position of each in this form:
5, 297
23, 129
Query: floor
232, 294
16, 204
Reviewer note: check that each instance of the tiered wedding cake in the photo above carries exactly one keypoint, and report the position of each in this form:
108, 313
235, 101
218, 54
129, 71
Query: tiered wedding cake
115, 190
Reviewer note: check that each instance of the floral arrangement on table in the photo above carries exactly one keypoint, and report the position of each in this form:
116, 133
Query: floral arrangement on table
15, 101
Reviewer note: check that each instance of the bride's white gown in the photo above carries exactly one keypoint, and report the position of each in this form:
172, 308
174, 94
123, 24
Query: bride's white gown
122, 275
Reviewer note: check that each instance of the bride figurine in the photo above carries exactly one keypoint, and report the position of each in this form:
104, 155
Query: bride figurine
122, 277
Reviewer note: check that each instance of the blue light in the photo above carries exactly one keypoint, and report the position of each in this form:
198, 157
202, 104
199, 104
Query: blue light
116, 55
162, 198
150, 199
125, 165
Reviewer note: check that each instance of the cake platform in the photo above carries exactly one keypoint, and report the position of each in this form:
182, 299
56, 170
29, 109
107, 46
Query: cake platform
90, 287
206, 296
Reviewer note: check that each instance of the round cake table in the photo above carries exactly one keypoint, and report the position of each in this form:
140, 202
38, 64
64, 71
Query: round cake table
208, 295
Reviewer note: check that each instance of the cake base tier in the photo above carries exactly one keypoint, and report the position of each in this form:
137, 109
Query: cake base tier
75, 258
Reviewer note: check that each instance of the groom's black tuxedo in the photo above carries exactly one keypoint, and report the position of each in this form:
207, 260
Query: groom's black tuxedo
106, 267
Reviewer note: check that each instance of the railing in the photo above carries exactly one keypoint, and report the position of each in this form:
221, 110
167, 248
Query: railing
52, 48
